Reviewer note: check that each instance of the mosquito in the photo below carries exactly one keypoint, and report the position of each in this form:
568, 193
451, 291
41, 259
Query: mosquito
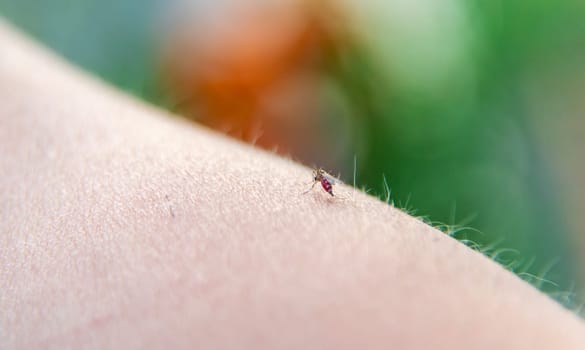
327, 181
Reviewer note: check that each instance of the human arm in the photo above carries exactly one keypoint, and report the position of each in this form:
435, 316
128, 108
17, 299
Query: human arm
124, 227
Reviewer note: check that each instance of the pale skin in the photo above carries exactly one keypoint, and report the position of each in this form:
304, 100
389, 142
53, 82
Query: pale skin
122, 227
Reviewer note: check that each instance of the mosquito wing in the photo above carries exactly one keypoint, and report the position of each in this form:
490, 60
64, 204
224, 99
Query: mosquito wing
332, 180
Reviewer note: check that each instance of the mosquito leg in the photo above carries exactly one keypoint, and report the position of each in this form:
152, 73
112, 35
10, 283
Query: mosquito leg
309, 190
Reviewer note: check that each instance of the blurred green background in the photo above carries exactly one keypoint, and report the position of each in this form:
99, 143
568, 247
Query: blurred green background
460, 105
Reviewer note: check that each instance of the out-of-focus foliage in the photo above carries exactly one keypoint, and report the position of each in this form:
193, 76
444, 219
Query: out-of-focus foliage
451, 123
437, 96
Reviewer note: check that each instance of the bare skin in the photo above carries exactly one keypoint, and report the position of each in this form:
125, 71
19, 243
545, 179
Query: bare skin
124, 228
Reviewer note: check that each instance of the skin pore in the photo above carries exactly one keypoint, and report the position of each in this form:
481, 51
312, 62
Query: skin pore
122, 227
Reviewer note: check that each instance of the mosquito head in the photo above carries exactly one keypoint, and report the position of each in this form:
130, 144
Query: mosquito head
318, 174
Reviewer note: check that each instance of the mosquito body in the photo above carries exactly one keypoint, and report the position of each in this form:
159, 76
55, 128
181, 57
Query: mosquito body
327, 181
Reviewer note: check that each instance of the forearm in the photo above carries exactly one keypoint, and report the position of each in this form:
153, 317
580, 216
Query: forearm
123, 228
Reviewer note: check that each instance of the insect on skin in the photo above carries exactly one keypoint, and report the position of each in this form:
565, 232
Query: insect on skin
327, 181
